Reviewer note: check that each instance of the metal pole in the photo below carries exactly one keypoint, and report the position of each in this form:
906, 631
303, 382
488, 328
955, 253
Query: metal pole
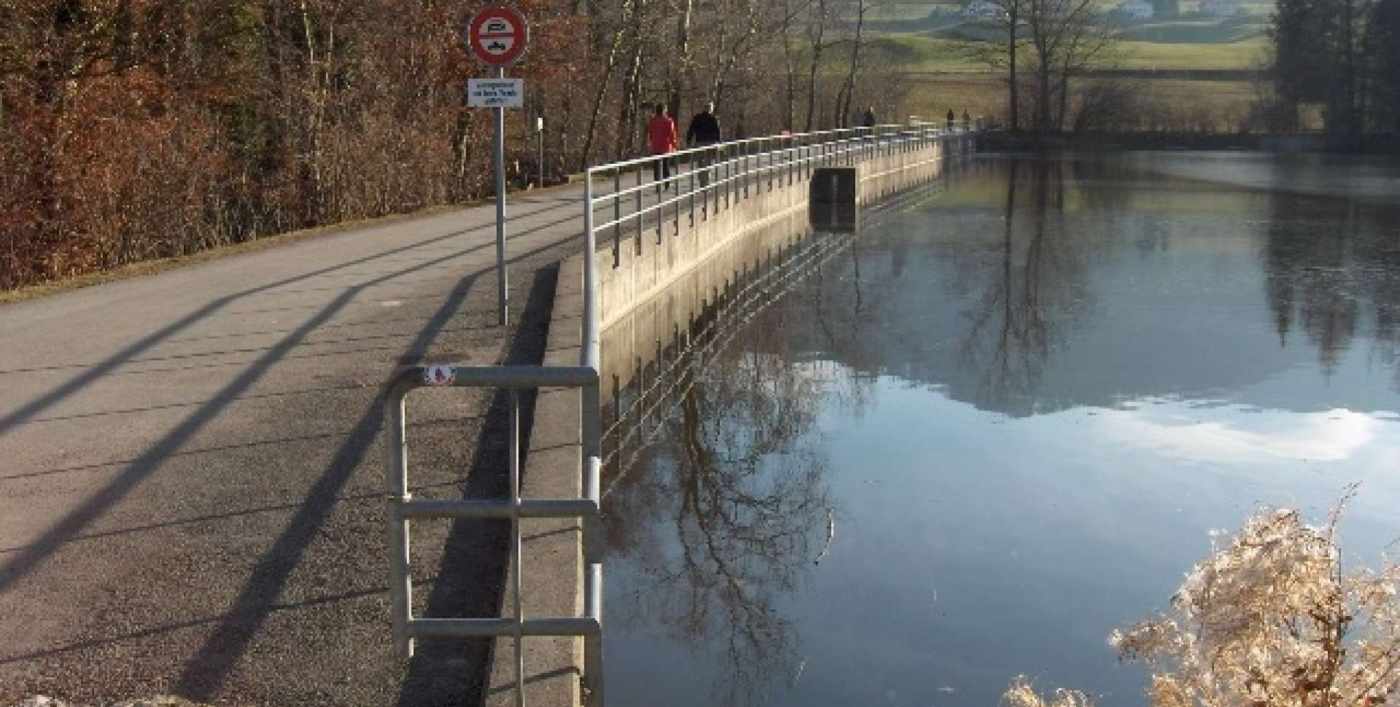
517, 589
400, 577
503, 284
539, 125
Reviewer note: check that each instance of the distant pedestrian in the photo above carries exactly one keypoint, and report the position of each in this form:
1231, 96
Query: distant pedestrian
867, 121
663, 139
703, 132
951, 118
967, 120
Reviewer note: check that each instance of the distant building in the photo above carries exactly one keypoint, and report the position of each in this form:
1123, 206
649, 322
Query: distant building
1166, 8
983, 9
1137, 9
1221, 8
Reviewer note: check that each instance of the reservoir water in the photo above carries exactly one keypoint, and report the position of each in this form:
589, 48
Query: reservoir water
905, 466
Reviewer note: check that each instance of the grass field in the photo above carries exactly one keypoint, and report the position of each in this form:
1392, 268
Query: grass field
943, 58
1196, 31
922, 53
983, 93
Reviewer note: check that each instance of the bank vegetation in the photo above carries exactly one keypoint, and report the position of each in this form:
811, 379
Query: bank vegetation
141, 129
1272, 617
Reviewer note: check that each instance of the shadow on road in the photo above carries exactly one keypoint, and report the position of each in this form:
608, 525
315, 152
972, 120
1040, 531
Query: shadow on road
73, 523
205, 673
472, 573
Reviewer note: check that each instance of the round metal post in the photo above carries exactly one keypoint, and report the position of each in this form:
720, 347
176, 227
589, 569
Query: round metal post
617, 217
517, 585
502, 278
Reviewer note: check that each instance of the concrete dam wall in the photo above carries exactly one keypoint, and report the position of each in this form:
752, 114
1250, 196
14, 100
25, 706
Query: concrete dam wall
657, 274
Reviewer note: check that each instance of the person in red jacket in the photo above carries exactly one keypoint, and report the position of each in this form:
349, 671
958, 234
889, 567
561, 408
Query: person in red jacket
662, 136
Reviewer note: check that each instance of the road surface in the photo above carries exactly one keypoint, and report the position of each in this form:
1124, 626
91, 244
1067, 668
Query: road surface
192, 494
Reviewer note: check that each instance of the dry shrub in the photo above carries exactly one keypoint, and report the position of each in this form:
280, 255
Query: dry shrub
1023, 694
138, 177
1270, 618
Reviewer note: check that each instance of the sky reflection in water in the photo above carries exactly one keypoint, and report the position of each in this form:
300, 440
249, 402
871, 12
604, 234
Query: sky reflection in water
1022, 403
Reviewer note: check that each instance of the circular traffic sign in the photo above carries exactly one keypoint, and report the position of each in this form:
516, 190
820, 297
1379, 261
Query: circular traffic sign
497, 35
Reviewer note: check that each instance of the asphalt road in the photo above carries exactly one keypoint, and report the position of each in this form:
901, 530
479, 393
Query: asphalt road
192, 487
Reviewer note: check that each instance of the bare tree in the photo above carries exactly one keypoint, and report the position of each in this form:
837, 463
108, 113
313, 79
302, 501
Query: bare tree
816, 35
1010, 18
844, 96
1066, 36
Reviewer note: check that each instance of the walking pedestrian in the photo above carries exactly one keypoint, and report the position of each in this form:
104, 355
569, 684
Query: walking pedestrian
703, 132
967, 120
951, 118
867, 121
662, 137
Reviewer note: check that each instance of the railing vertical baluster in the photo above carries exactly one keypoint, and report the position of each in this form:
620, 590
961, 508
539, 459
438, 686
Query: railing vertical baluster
617, 217
638, 210
772, 156
517, 585
593, 645
400, 577
705, 178
731, 188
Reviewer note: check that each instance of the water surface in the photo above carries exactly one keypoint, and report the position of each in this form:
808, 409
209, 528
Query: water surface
1000, 422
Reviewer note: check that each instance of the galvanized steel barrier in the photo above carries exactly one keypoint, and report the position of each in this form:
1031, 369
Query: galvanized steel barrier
719, 176
723, 174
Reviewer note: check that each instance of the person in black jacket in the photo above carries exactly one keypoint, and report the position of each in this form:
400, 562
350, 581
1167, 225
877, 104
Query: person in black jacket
703, 132
704, 127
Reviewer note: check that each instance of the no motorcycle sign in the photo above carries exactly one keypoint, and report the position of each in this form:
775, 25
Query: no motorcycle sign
497, 35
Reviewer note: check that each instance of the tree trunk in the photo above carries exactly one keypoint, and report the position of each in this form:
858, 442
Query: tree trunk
626, 134
1063, 101
681, 82
604, 81
846, 96
790, 65
817, 46
1013, 85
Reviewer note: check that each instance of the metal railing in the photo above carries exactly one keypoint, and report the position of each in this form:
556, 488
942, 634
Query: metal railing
719, 176
403, 508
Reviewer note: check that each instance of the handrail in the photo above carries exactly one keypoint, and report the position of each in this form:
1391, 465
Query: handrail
678, 198
723, 165
622, 164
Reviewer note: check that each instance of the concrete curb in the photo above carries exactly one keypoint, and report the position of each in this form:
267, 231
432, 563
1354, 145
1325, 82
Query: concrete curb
551, 550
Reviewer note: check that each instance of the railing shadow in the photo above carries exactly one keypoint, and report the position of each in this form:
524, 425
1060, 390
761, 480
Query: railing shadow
470, 580
204, 674
150, 341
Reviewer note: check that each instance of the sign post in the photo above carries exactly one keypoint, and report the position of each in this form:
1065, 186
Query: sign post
497, 36
539, 128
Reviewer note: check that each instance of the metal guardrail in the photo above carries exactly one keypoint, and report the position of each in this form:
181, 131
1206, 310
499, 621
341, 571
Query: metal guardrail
722, 174
403, 508
719, 176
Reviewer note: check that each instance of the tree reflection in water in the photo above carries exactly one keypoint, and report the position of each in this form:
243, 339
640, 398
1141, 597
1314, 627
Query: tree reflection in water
1028, 290
734, 503
729, 506
1327, 262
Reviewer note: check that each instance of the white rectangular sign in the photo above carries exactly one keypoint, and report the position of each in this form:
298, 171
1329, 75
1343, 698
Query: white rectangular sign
496, 93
